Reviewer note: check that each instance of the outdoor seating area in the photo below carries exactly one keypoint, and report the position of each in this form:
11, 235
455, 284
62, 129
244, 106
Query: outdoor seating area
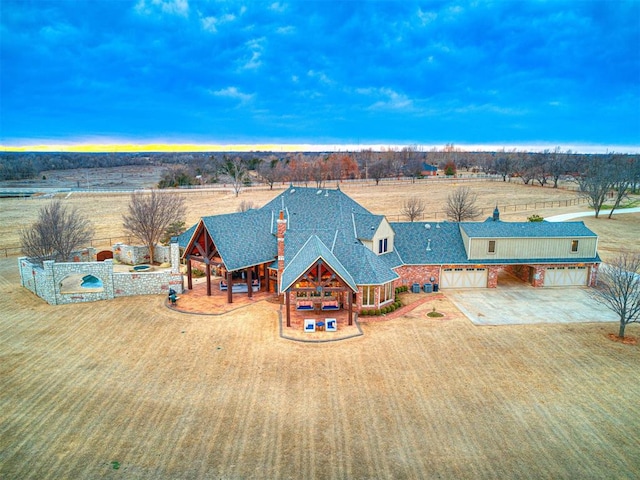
197, 300
328, 325
240, 287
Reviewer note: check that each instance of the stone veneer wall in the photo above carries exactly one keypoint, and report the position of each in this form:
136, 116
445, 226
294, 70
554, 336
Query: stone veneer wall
138, 254
45, 280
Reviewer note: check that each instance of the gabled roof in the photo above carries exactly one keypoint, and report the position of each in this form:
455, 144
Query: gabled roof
338, 221
499, 229
313, 250
243, 239
366, 225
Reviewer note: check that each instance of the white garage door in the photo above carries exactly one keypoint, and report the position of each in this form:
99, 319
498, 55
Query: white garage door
463, 278
565, 276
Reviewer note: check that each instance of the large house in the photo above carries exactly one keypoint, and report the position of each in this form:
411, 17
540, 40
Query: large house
321, 249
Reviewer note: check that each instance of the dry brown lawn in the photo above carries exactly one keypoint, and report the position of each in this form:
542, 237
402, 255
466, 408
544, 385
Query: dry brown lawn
170, 395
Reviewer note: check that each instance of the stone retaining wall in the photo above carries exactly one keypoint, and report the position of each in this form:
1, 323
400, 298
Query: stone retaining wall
46, 280
137, 254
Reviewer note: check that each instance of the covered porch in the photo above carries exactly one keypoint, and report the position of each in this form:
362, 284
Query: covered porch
316, 285
219, 277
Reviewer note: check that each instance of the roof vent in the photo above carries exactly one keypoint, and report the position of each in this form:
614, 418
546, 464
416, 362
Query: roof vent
427, 226
437, 225
428, 245
293, 190
318, 192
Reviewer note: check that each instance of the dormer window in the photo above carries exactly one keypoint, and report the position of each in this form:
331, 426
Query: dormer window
574, 246
383, 246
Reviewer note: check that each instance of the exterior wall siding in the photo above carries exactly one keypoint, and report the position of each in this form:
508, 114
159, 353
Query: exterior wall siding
384, 231
523, 248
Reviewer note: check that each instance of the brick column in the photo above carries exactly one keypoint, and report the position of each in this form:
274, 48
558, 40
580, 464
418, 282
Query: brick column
282, 228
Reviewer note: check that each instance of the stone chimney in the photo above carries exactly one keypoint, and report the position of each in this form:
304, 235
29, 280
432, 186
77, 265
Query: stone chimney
282, 228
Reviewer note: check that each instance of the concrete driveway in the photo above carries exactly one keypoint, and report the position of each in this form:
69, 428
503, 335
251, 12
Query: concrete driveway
527, 305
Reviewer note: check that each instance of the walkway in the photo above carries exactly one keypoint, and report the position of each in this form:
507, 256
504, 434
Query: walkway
569, 216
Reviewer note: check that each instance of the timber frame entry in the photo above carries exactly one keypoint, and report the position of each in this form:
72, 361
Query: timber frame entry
202, 249
320, 285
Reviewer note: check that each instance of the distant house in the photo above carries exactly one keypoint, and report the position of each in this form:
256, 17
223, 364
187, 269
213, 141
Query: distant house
428, 170
321, 249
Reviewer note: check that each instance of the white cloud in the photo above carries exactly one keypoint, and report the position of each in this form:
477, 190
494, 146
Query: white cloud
210, 24
234, 94
170, 7
278, 7
389, 99
321, 76
287, 30
256, 47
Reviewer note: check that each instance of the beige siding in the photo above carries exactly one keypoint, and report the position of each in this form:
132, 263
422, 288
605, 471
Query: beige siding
465, 240
532, 248
384, 231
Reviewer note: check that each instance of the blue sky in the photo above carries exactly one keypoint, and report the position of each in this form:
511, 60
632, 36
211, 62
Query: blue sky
506, 73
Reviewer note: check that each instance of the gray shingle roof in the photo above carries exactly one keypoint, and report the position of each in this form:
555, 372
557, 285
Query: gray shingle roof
429, 243
243, 239
366, 225
499, 229
313, 250
338, 222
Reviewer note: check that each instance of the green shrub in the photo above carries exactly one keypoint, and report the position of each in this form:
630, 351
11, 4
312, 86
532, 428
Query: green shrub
535, 218
197, 273
377, 312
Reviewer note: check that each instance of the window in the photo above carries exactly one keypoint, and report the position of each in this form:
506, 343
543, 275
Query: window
574, 246
386, 292
492, 246
368, 295
382, 245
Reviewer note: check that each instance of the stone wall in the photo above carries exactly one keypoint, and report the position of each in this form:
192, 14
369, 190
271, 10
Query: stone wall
46, 281
138, 254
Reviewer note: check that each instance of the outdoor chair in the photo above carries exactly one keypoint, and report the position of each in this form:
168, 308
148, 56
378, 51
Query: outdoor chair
331, 325
309, 325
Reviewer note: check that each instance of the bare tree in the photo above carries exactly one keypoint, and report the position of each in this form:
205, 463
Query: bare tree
151, 214
623, 171
505, 164
270, 170
236, 169
596, 181
619, 288
56, 234
378, 170
413, 208
461, 205
246, 205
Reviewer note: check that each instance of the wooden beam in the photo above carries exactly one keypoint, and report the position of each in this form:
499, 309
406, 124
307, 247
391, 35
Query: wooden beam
350, 302
249, 282
189, 274
208, 270
229, 287
288, 303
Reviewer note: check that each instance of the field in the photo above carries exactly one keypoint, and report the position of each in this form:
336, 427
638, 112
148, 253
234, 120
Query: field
516, 202
131, 389
168, 395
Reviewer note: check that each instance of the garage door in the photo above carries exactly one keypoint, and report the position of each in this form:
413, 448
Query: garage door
565, 276
463, 278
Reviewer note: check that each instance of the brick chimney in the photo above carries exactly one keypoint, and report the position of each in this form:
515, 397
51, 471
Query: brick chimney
282, 227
